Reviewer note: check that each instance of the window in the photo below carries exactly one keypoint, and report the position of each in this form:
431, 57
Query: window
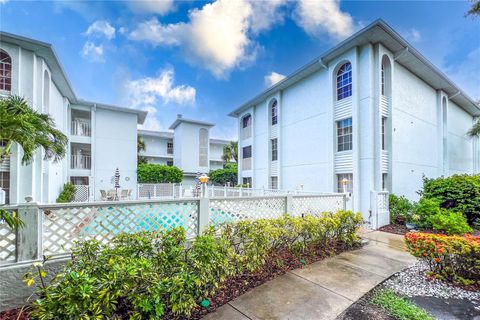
384, 181
274, 183
246, 126
274, 147
274, 111
203, 148
247, 181
344, 135
340, 178
170, 163
384, 123
5, 71
344, 81
247, 152
79, 181
5, 185
383, 79
169, 147
246, 121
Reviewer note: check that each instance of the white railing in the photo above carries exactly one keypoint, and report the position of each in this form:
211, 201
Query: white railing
81, 128
82, 193
81, 162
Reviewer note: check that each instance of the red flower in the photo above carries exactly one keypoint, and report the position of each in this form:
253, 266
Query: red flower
437, 260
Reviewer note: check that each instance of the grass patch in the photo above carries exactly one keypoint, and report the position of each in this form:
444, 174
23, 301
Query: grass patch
398, 307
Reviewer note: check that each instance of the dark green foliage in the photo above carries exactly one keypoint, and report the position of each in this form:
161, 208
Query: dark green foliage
157, 173
67, 194
157, 275
450, 222
224, 176
458, 192
400, 207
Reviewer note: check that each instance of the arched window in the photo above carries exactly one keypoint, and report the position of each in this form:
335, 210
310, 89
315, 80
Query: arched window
344, 81
383, 79
203, 148
274, 112
386, 77
5, 71
46, 92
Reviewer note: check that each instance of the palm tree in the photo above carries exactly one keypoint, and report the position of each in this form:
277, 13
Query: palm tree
141, 146
230, 151
475, 131
30, 129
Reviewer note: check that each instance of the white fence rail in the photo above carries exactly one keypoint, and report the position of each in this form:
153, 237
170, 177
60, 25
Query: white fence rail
52, 229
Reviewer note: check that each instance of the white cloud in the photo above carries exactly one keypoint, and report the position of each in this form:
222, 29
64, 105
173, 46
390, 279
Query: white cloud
147, 93
318, 17
467, 74
218, 36
101, 27
92, 52
413, 35
272, 78
3, 1
160, 7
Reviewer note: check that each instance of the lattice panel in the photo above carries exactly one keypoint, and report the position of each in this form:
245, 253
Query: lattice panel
64, 226
8, 244
229, 210
313, 205
382, 201
81, 193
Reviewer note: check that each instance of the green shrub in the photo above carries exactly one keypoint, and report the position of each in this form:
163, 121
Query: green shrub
228, 174
398, 307
423, 210
450, 222
157, 173
399, 207
451, 258
155, 275
458, 192
67, 194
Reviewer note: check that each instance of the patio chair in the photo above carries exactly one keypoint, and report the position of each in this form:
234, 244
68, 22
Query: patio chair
124, 194
103, 194
129, 196
111, 195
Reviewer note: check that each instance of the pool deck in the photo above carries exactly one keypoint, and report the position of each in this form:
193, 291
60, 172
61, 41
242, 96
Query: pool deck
324, 289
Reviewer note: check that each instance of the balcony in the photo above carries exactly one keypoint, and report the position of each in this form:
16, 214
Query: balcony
247, 164
81, 128
79, 161
246, 132
170, 150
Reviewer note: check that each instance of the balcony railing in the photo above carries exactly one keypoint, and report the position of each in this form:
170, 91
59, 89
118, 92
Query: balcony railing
170, 150
246, 132
81, 128
81, 162
247, 164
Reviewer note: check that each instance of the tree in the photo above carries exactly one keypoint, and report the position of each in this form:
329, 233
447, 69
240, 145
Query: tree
230, 151
158, 173
475, 131
141, 146
30, 129
224, 176
474, 10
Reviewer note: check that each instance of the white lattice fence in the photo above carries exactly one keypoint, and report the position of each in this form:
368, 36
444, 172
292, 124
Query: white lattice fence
303, 205
62, 226
156, 190
8, 242
81, 193
228, 210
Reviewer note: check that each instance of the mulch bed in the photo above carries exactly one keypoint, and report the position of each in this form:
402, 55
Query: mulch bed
277, 264
394, 228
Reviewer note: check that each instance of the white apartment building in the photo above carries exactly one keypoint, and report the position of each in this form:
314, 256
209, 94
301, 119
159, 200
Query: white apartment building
187, 146
372, 110
101, 137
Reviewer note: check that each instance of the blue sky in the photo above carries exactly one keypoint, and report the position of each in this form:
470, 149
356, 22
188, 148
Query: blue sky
203, 59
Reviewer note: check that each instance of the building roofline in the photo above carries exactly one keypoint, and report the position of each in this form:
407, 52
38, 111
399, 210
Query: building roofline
58, 74
180, 119
442, 82
153, 133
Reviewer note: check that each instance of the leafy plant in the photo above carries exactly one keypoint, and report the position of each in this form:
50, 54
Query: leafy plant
157, 173
450, 222
67, 194
458, 192
154, 275
400, 207
399, 307
423, 210
230, 152
11, 219
451, 258
224, 176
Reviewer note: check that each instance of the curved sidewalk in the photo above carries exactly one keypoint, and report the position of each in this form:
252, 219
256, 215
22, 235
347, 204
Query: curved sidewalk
324, 289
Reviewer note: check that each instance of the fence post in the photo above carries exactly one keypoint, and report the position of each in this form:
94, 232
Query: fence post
203, 214
29, 237
289, 204
225, 191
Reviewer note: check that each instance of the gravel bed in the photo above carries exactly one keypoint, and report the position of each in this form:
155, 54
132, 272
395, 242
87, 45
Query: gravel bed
412, 282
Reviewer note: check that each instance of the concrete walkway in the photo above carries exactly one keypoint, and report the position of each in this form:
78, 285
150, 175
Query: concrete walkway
323, 289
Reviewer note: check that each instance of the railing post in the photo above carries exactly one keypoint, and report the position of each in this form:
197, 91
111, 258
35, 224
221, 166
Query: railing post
289, 204
29, 237
203, 214
180, 191
225, 191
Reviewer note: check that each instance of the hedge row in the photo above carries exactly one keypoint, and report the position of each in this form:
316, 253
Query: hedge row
154, 275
